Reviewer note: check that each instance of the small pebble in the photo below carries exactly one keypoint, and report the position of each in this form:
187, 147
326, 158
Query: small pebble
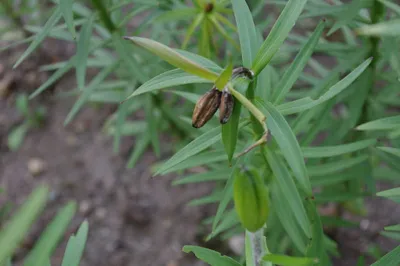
84, 206
236, 244
36, 166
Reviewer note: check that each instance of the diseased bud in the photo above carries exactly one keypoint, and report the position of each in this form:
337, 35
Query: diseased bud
206, 107
251, 199
226, 106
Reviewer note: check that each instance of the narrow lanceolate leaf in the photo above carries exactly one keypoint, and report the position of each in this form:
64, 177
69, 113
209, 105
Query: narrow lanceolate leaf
174, 58
89, 90
82, 52
51, 237
347, 16
394, 151
66, 9
197, 145
224, 77
308, 103
15, 230
168, 79
287, 142
289, 261
189, 33
211, 257
392, 122
336, 166
75, 247
247, 31
286, 184
278, 34
390, 259
393, 194
230, 130
295, 69
391, 5
328, 151
226, 195
387, 28
55, 17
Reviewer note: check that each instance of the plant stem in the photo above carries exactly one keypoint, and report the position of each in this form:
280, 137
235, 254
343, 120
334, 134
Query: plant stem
256, 248
250, 106
104, 16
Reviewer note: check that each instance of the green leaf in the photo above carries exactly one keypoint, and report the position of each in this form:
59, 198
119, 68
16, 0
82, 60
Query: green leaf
336, 166
16, 137
54, 18
75, 247
393, 194
51, 236
224, 77
66, 9
316, 246
88, 91
203, 177
287, 142
138, 150
247, 32
82, 51
167, 79
230, 131
195, 23
152, 124
15, 230
227, 194
393, 227
293, 72
329, 151
393, 151
387, 28
289, 261
176, 14
211, 257
286, 184
392, 122
307, 102
351, 11
54, 77
391, 5
174, 58
278, 34
197, 145
390, 259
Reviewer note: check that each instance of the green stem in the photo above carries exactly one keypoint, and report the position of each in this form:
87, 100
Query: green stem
104, 16
256, 248
250, 106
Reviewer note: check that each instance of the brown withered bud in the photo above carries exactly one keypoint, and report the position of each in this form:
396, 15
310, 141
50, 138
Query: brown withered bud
208, 7
206, 107
226, 106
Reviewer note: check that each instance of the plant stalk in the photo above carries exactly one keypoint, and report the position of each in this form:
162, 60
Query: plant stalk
104, 15
256, 248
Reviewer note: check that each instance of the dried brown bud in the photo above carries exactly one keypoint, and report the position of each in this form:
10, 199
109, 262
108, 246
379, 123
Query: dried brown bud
226, 106
206, 107
208, 7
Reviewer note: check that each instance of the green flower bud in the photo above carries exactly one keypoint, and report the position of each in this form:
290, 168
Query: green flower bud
251, 199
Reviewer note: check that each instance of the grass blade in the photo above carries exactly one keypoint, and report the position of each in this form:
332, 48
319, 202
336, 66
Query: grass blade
75, 247
295, 69
174, 58
289, 261
50, 238
287, 142
82, 52
278, 34
210, 256
392, 122
67, 12
54, 18
329, 151
247, 32
15, 230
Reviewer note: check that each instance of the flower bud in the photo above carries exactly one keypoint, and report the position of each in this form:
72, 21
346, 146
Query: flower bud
206, 107
226, 106
251, 199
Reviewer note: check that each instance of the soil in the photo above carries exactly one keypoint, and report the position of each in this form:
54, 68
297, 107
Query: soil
134, 219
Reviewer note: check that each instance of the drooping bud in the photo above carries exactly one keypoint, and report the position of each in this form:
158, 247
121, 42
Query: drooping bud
251, 199
206, 107
226, 106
